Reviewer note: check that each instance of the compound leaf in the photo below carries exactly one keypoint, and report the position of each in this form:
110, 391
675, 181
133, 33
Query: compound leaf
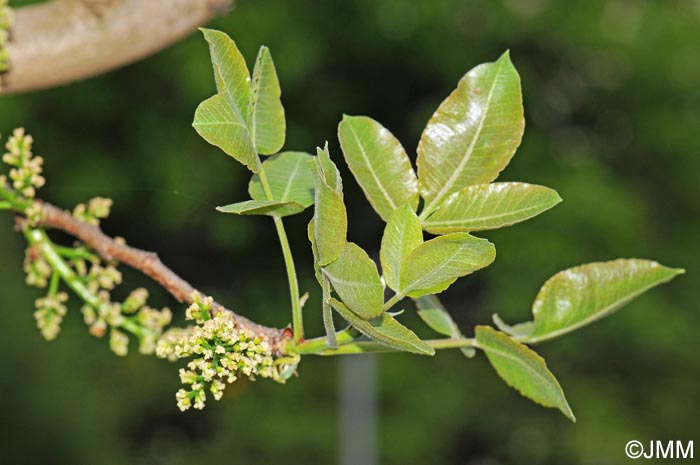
379, 163
522, 369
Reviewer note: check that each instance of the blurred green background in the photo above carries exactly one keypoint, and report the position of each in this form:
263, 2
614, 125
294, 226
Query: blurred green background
613, 114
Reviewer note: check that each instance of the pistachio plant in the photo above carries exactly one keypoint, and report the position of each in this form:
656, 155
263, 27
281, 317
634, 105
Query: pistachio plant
427, 244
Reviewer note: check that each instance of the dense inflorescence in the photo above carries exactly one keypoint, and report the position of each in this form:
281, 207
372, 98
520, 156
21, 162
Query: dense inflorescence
222, 352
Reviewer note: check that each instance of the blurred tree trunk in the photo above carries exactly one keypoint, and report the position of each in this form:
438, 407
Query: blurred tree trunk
61, 41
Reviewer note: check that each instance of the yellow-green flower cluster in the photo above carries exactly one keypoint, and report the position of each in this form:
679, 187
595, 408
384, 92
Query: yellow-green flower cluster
95, 210
5, 24
37, 268
222, 352
146, 322
49, 314
26, 168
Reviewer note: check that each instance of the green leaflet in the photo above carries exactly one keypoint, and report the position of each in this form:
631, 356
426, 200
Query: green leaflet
355, 278
522, 369
230, 70
474, 132
401, 236
379, 163
290, 176
317, 268
581, 295
265, 114
330, 220
433, 313
437, 263
263, 207
490, 206
218, 121
331, 175
385, 330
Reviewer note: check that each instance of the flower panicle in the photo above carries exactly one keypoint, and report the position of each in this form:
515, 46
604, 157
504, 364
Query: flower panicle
221, 351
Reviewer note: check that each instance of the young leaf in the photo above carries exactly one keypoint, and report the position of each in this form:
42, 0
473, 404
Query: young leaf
437, 263
474, 132
265, 112
290, 176
401, 236
355, 279
490, 206
522, 369
433, 313
385, 330
230, 70
579, 296
314, 249
379, 163
263, 207
331, 175
330, 221
218, 121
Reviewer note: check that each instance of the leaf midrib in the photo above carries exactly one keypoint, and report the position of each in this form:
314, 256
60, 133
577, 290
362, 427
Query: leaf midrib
470, 150
371, 169
483, 218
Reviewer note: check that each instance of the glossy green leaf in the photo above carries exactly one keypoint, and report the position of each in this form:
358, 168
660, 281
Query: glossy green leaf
437, 263
401, 236
522, 369
330, 221
490, 206
290, 176
230, 70
473, 134
385, 330
579, 296
433, 313
355, 278
263, 207
379, 163
265, 113
331, 175
219, 123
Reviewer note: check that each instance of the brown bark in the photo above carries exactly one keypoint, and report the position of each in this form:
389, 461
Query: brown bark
61, 41
146, 262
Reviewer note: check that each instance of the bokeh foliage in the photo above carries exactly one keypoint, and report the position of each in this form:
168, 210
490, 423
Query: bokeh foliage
612, 111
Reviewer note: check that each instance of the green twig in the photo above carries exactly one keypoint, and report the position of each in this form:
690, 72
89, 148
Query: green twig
41, 241
318, 346
297, 317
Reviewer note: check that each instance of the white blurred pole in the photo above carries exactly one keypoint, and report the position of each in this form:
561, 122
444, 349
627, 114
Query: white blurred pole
358, 405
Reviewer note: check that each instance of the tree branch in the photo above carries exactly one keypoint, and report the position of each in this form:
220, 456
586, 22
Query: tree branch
60, 41
146, 262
